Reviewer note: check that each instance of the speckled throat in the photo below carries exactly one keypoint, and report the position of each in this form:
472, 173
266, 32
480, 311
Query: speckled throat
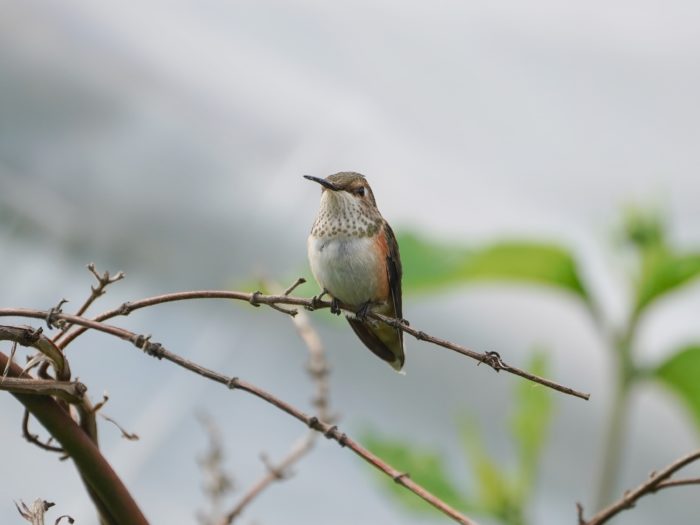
341, 214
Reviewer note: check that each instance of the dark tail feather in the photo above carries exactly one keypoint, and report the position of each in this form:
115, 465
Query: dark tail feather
376, 345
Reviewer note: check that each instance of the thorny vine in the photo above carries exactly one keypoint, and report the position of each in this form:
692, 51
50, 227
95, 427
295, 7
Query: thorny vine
66, 393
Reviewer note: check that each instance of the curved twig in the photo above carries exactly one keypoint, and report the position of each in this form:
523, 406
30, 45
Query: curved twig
110, 495
318, 370
234, 383
103, 281
491, 359
657, 481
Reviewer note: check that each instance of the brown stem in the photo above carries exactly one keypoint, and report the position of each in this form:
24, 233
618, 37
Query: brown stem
113, 499
103, 281
328, 430
318, 370
657, 481
274, 473
491, 359
71, 391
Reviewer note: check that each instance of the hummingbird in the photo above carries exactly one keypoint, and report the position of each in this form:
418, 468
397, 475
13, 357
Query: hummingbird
354, 257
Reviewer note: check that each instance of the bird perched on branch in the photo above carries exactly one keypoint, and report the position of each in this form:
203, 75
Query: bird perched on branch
355, 259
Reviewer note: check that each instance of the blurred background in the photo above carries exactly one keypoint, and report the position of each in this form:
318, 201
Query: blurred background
168, 140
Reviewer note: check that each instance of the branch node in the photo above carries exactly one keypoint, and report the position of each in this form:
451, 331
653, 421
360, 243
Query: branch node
144, 343
400, 477
31, 336
51, 320
315, 424
80, 388
254, 298
316, 302
493, 359
330, 433
233, 383
155, 349
124, 308
343, 440
277, 472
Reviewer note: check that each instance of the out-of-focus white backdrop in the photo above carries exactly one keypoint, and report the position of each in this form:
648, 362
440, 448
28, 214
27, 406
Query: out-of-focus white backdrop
168, 140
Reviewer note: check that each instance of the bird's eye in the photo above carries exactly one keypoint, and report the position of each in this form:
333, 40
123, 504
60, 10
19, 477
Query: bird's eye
360, 192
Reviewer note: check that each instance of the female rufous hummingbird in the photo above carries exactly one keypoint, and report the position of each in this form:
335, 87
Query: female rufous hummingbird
355, 259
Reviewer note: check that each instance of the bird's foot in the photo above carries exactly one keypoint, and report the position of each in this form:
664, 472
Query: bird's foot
317, 301
335, 306
363, 310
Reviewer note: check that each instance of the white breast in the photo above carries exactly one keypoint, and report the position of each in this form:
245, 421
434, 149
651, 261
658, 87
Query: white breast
347, 267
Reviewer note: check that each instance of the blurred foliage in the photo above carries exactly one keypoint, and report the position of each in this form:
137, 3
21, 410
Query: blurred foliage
681, 373
662, 272
426, 467
530, 422
501, 491
660, 269
430, 265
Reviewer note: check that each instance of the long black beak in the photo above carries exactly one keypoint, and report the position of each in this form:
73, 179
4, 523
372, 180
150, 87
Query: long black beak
323, 182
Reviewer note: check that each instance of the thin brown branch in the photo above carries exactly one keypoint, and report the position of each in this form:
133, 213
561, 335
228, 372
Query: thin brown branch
233, 383
492, 359
63, 390
126, 435
34, 439
217, 483
108, 492
657, 481
103, 281
318, 370
294, 285
22, 383
71, 391
27, 336
274, 473
677, 483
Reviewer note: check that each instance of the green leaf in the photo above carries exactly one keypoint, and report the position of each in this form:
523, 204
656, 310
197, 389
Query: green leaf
426, 467
681, 373
492, 484
662, 272
530, 424
529, 262
428, 265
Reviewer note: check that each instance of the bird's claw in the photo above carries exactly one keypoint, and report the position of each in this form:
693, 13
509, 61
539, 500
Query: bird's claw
317, 301
363, 310
335, 306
